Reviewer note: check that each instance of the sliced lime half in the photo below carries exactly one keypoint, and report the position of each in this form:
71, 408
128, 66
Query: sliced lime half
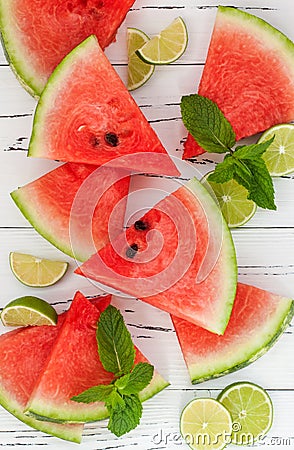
26, 311
138, 71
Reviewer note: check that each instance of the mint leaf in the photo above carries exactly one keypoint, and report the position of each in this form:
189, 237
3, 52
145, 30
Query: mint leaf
122, 382
99, 393
125, 419
207, 124
115, 401
116, 349
139, 378
224, 171
252, 151
261, 184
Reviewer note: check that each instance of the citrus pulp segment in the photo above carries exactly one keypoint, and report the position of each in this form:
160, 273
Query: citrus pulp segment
36, 272
251, 409
167, 46
279, 157
206, 424
28, 311
138, 71
232, 200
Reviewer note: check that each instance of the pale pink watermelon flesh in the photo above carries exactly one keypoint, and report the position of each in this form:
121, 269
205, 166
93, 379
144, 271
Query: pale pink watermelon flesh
164, 269
86, 115
74, 366
258, 319
72, 205
23, 354
249, 73
39, 34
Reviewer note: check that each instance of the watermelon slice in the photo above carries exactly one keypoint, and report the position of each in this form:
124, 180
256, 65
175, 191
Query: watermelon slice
258, 319
74, 366
23, 353
38, 34
249, 73
86, 115
179, 257
71, 206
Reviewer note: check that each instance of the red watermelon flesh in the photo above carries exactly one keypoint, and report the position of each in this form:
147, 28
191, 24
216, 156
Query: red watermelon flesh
23, 354
258, 319
160, 258
74, 366
38, 34
72, 205
249, 73
86, 115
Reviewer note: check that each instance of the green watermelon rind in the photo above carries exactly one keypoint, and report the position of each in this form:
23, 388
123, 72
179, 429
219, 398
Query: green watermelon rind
31, 214
60, 72
269, 33
40, 411
285, 318
228, 250
17, 65
54, 429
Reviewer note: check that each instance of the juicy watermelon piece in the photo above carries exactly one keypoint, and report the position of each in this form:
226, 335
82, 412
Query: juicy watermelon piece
258, 319
86, 115
249, 73
74, 366
156, 259
38, 34
23, 354
71, 206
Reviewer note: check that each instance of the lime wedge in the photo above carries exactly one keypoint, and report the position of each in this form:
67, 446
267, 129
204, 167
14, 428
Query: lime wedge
206, 424
167, 46
232, 200
279, 157
26, 311
138, 71
251, 410
36, 272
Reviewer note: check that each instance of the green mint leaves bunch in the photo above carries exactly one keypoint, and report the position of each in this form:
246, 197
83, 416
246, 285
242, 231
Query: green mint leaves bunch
117, 355
209, 127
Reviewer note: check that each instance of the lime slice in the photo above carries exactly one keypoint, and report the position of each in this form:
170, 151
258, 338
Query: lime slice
206, 424
25, 311
251, 410
167, 46
279, 157
232, 200
138, 71
36, 272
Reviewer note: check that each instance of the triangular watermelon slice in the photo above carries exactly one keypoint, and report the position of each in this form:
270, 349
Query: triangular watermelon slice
71, 206
249, 73
74, 366
38, 34
179, 257
23, 354
258, 319
86, 115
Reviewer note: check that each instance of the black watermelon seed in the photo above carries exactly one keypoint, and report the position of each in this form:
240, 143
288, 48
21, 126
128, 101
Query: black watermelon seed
111, 139
141, 225
132, 250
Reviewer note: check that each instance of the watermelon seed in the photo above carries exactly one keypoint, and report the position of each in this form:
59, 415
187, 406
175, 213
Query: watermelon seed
141, 225
111, 139
94, 141
132, 250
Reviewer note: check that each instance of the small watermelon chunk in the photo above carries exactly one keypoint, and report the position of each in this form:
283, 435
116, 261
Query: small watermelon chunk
71, 206
249, 73
258, 319
23, 354
74, 366
38, 34
86, 115
179, 257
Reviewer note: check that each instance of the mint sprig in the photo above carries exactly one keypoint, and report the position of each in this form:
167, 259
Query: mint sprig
209, 127
117, 355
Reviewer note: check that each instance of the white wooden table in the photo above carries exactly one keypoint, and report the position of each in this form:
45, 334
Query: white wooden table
264, 246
